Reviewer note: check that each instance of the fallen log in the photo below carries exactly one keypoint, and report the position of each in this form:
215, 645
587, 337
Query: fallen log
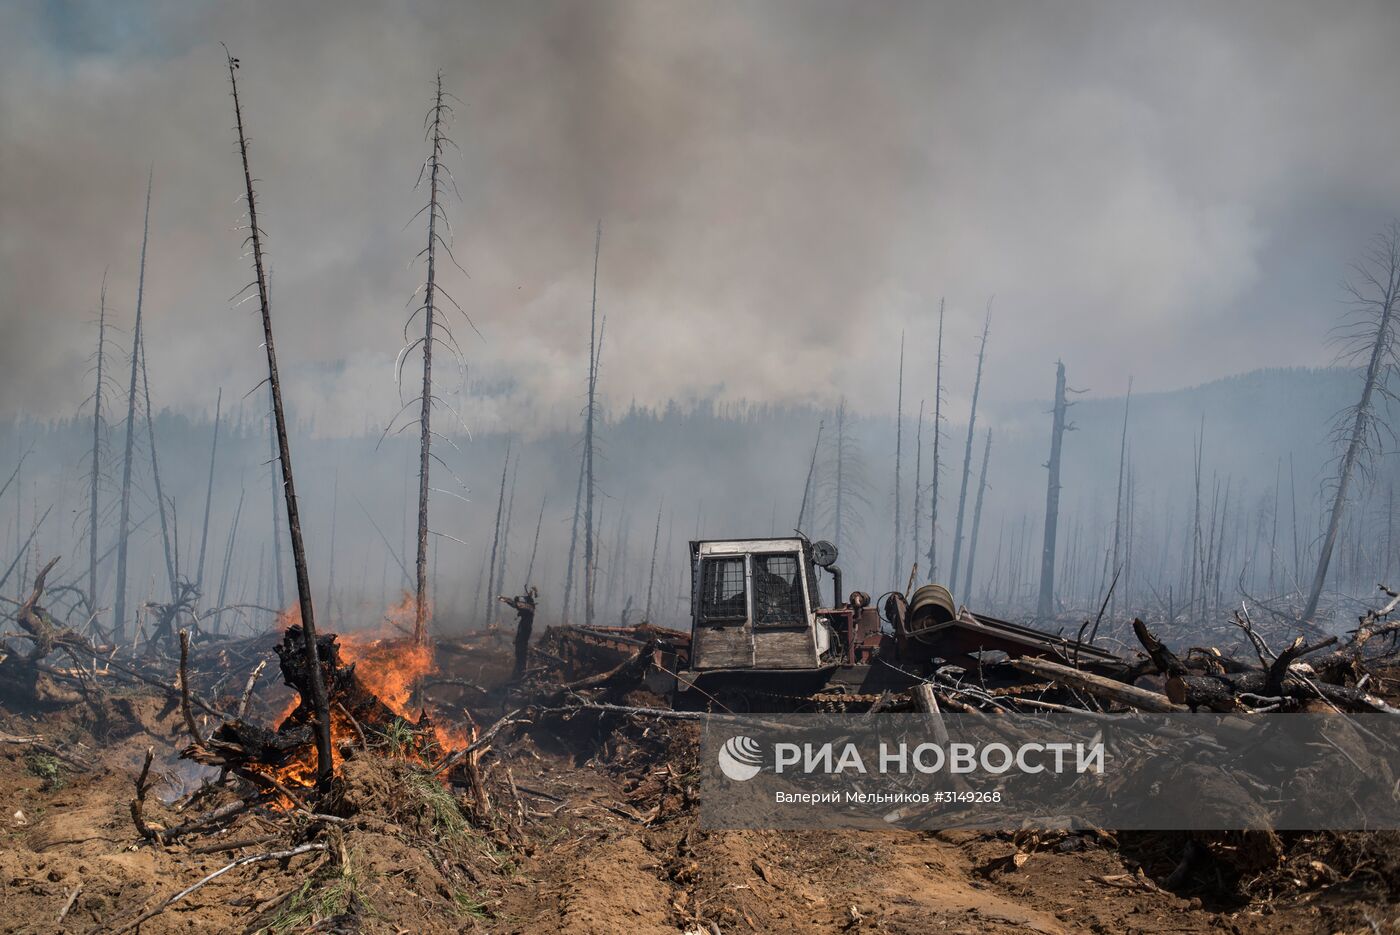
1162, 657
1222, 693
1098, 686
927, 703
1212, 692
627, 673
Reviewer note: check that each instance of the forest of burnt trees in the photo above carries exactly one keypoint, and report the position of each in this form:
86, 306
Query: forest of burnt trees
726, 470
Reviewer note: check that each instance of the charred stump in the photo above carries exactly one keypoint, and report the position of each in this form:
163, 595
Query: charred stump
22, 679
359, 718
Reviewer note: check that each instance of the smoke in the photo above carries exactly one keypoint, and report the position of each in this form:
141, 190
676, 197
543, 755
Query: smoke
1171, 192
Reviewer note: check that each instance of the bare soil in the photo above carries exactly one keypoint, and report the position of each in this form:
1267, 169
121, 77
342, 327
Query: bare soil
610, 845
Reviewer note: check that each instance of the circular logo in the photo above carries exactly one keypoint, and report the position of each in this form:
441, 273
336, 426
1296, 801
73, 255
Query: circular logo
740, 759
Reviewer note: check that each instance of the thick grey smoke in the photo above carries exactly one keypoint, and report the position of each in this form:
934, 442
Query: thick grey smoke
1170, 192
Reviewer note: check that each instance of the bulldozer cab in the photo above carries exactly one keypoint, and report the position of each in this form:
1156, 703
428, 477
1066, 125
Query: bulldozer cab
753, 605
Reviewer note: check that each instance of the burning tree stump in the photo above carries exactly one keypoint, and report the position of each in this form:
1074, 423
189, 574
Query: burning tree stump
343, 687
358, 717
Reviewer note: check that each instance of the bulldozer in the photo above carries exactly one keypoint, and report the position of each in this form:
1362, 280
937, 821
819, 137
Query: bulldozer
761, 637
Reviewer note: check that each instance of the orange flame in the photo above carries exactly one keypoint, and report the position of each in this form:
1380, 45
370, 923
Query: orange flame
389, 664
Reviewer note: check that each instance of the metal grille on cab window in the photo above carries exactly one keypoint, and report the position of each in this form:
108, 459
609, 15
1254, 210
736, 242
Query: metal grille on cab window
777, 590
723, 587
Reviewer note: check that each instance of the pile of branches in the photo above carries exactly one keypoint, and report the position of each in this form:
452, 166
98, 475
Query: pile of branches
1296, 677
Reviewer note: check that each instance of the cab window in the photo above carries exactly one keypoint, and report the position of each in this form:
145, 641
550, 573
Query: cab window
777, 590
723, 597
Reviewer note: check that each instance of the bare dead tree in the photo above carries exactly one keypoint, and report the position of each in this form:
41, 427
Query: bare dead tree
124, 520
811, 468
500, 585
567, 608
435, 170
840, 472
583, 470
588, 446
977, 516
651, 574
209, 495
844, 485
171, 569
899, 571
1045, 605
1198, 452
324, 763
97, 436
488, 609
937, 462
535, 548
1118, 500
1293, 496
967, 455
1366, 333
1273, 536
228, 549
918, 478
275, 501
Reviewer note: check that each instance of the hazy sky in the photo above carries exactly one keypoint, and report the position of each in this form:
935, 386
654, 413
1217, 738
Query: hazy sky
1170, 191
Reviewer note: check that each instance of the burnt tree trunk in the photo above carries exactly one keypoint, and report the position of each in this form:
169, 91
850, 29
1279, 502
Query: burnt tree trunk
589, 486
567, 609
651, 573
1045, 605
977, 516
488, 609
96, 450
209, 495
1118, 500
500, 585
937, 463
124, 519
171, 569
228, 550
324, 763
420, 565
899, 570
918, 478
967, 455
276, 513
1379, 272
535, 548
811, 468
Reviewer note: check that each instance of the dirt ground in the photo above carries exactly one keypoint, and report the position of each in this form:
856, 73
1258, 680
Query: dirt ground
606, 842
